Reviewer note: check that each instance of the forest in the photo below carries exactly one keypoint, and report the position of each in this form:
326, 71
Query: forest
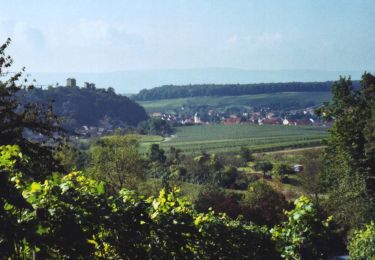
108, 200
87, 106
174, 91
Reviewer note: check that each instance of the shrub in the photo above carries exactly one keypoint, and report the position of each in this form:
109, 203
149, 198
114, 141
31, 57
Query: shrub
71, 216
282, 171
305, 234
362, 243
263, 205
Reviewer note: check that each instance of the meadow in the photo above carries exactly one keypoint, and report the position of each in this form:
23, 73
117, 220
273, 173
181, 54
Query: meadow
286, 100
230, 138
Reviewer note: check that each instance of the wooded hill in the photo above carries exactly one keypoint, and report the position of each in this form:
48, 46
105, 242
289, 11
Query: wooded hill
182, 91
83, 106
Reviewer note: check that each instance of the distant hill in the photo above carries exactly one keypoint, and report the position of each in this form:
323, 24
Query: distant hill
91, 107
219, 90
275, 101
132, 81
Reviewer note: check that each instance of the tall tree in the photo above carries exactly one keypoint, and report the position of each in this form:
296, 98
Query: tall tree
116, 161
30, 129
312, 174
31, 126
264, 166
349, 156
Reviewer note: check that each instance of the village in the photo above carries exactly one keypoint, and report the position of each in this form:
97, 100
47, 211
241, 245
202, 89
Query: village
305, 117
262, 117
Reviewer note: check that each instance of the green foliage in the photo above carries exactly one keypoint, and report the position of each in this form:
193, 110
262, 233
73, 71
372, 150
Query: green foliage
171, 91
362, 243
73, 218
155, 126
263, 205
264, 166
8, 155
14, 223
88, 106
276, 101
245, 154
311, 176
71, 157
208, 197
349, 157
116, 161
305, 234
156, 154
282, 171
227, 176
31, 126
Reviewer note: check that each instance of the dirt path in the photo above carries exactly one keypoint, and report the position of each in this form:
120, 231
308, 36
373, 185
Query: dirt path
168, 138
293, 150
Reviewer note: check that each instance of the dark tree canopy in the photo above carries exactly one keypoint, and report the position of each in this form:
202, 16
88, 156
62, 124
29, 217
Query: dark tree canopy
31, 126
183, 91
89, 106
349, 157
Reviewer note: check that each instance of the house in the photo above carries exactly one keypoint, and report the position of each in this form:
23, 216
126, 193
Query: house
232, 121
304, 122
270, 115
298, 168
187, 121
267, 121
156, 114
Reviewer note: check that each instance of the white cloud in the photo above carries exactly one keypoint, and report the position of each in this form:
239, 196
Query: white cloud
94, 33
23, 35
29, 37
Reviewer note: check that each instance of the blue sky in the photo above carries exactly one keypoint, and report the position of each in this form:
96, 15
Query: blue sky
104, 36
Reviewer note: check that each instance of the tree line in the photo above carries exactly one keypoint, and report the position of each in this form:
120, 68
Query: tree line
184, 91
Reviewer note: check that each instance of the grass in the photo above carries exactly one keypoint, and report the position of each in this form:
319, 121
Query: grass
230, 138
150, 138
290, 100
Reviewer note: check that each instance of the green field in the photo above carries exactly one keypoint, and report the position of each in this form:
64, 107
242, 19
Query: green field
229, 138
293, 100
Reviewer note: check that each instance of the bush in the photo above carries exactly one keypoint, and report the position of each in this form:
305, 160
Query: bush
264, 166
215, 198
362, 243
305, 235
263, 205
282, 171
246, 154
71, 216
227, 176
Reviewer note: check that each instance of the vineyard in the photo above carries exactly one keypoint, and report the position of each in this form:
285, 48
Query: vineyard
229, 138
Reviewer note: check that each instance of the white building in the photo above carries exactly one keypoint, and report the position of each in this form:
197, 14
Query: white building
197, 119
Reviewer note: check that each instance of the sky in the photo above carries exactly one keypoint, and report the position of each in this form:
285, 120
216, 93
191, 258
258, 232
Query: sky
106, 36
